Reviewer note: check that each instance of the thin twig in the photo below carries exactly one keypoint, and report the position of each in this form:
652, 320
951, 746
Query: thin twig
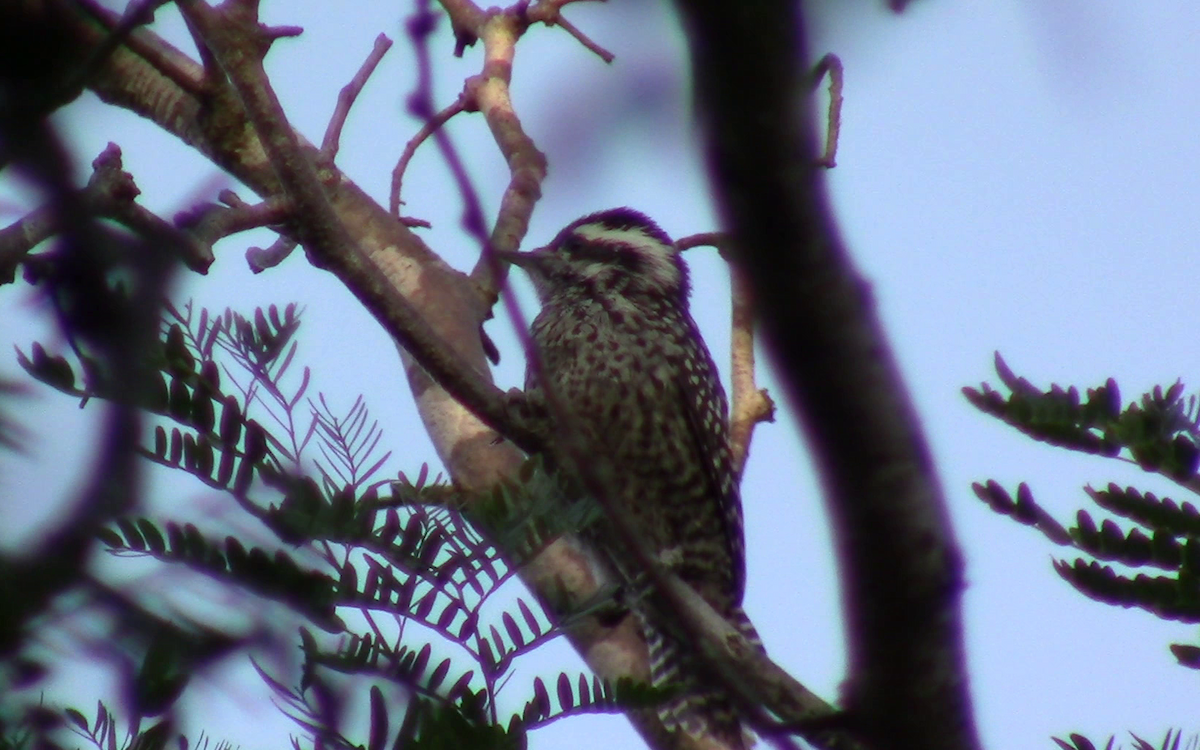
350, 92
702, 239
209, 222
571, 29
549, 12
431, 126
831, 64
748, 404
260, 259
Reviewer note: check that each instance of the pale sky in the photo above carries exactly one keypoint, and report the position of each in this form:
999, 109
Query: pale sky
1016, 176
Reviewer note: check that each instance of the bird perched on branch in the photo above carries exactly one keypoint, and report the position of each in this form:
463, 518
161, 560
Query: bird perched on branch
619, 351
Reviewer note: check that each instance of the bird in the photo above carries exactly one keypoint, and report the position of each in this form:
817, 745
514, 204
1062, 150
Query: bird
617, 345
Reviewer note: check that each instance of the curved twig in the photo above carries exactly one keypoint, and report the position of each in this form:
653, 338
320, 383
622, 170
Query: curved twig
350, 92
431, 126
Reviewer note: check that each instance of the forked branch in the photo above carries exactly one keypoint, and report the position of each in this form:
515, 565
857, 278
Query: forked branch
749, 405
110, 193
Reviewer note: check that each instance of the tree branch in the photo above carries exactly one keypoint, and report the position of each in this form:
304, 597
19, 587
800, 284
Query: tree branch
526, 164
349, 93
238, 42
902, 570
549, 12
748, 404
431, 126
110, 193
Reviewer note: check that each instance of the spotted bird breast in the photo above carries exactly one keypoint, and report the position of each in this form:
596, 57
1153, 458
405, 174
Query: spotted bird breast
627, 386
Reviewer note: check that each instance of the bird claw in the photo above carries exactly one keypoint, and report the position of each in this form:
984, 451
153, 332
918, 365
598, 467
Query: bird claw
528, 408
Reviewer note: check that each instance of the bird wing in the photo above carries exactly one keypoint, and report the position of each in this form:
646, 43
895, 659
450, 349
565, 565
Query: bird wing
707, 415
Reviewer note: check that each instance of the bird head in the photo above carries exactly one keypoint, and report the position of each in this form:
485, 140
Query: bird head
615, 252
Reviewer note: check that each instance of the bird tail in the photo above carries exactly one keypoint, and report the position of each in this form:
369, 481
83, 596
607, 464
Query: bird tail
698, 709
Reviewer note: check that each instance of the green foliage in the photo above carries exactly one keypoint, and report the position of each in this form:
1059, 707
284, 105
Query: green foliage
525, 513
346, 541
1159, 550
103, 731
1160, 433
1170, 742
272, 574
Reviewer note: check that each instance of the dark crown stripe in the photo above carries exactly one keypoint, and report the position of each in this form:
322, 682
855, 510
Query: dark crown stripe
624, 218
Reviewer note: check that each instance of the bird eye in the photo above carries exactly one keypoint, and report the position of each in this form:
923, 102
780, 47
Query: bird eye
630, 260
581, 249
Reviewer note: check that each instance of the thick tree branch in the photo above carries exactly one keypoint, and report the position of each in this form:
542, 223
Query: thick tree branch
902, 570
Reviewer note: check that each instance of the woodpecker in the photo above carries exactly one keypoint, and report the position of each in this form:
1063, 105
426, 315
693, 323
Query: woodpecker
619, 348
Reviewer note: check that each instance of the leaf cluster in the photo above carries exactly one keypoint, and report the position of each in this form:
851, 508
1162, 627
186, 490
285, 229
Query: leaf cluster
1159, 433
405, 556
1171, 741
1146, 552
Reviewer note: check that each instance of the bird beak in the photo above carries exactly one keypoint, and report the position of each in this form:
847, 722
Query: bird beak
535, 263
508, 256
531, 261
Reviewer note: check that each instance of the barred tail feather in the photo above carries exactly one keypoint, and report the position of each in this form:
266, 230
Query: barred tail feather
699, 710
741, 621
